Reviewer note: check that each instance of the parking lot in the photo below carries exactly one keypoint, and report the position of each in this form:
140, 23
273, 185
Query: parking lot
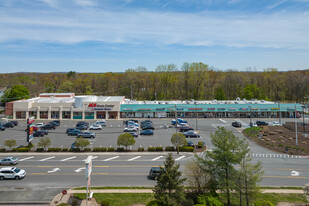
107, 137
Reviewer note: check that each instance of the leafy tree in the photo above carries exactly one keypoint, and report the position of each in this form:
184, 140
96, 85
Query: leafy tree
70, 74
125, 139
178, 139
209, 200
66, 86
169, 190
44, 142
10, 143
251, 91
220, 94
81, 142
221, 161
15, 93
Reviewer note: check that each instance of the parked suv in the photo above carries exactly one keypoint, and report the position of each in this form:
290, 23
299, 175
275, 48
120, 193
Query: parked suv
87, 134
154, 172
48, 127
11, 173
2, 128
261, 123
236, 124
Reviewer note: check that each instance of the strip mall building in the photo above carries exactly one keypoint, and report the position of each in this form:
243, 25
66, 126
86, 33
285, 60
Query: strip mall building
69, 106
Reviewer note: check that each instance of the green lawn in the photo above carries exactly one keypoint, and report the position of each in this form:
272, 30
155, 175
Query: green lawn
134, 198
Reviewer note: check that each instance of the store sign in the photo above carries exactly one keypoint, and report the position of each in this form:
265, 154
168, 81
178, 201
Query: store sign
254, 108
211, 109
243, 109
96, 107
232, 108
195, 109
127, 109
179, 109
144, 109
221, 109
160, 109
274, 108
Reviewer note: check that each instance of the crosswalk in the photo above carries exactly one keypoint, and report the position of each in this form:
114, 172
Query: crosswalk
283, 156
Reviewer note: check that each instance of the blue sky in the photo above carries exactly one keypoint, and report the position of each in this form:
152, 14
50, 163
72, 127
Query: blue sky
114, 35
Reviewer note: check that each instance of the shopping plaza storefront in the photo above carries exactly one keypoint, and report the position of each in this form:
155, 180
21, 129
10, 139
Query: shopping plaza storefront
69, 106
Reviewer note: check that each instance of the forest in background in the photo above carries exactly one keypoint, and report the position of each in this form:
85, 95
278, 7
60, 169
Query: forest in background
192, 81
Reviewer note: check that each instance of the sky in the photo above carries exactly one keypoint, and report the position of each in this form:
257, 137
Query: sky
115, 35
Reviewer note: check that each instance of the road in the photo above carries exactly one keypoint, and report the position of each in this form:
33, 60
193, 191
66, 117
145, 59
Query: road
49, 173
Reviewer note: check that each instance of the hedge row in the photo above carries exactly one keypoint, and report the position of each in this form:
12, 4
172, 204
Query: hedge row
99, 149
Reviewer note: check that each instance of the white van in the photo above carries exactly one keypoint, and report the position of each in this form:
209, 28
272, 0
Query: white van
101, 122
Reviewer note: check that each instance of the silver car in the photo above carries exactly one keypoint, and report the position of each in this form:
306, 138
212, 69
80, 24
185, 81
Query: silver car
9, 161
11, 173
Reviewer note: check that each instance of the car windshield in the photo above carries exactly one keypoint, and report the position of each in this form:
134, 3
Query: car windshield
13, 158
17, 170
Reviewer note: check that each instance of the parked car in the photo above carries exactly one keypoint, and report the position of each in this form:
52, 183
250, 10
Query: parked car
95, 127
69, 130
82, 123
130, 129
45, 132
48, 127
185, 129
191, 134
2, 128
101, 122
9, 125
73, 146
275, 124
181, 120
146, 132
9, 161
57, 122
38, 134
86, 134
148, 127
190, 144
54, 123
252, 124
39, 125
15, 123
11, 173
261, 123
82, 127
75, 132
236, 124
134, 134
154, 172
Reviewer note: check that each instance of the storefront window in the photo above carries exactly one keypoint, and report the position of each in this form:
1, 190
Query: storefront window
55, 114
43, 114
66, 115
20, 115
33, 114
89, 115
77, 115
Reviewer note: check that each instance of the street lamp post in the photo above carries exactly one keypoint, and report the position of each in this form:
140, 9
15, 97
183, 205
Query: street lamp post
196, 116
250, 121
279, 112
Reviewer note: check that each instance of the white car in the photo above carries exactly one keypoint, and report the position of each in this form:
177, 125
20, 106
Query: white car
11, 173
39, 125
101, 122
95, 127
9, 161
275, 124
130, 129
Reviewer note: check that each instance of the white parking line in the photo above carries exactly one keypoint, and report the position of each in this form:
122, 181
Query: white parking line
91, 158
154, 159
48, 158
179, 158
69, 158
223, 121
134, 158
111, 158
26, 158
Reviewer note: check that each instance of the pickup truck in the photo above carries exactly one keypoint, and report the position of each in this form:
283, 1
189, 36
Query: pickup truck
86, 134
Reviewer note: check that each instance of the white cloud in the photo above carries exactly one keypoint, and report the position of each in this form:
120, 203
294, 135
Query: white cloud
276, 4
280, 30
85, 2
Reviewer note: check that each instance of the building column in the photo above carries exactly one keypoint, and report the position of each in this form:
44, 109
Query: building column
71, 114
94, 114
27, 114
38, 112
106, 115
118, 115
49, 113
83, 115
14, 114
60, 112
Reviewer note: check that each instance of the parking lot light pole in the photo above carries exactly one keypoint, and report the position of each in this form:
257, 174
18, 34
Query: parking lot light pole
177, 147
196, 116
279, 112
250, 121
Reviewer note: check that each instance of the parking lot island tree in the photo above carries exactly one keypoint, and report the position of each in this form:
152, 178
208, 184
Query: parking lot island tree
228, 151
169, 189
81, 142
178, 139
10, 143
44, 142
126, 140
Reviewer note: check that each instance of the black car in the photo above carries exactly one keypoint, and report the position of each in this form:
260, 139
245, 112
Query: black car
82, 127
15, 122
38, 134
2, 128
261, 123
185, 129
82, 123
55, 123
236, 124
191, 134
9, 125
48, 127
69, 130
45, 132
148, 127
134, 134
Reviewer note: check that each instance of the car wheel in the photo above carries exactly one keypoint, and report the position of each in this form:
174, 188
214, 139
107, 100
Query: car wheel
1, 178
17, 178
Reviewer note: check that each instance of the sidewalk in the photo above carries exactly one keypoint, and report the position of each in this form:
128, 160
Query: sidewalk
65, 198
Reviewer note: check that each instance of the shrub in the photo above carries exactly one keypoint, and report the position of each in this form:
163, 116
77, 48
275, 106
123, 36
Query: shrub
2, 150
30, 145
74, 203
190, 149
110, 149
141, 149
182, 149
64, 149
151, 149
40, 149
209, 200
263, 203
99, 149
153, 203
87, 150
120, 149
14, 150
51, 149
159, 149
104, 203
200, 144
169, 148
26, 149
75, 150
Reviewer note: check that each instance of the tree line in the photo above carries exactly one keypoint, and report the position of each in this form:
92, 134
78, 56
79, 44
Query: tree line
192, 81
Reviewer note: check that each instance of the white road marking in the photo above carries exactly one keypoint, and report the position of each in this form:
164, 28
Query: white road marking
134, 158
223, 121
69, 158
111, 158
154, 159
26, 158
79, 169
179, 158
54, 170
48, 158
295, 173
91, 158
